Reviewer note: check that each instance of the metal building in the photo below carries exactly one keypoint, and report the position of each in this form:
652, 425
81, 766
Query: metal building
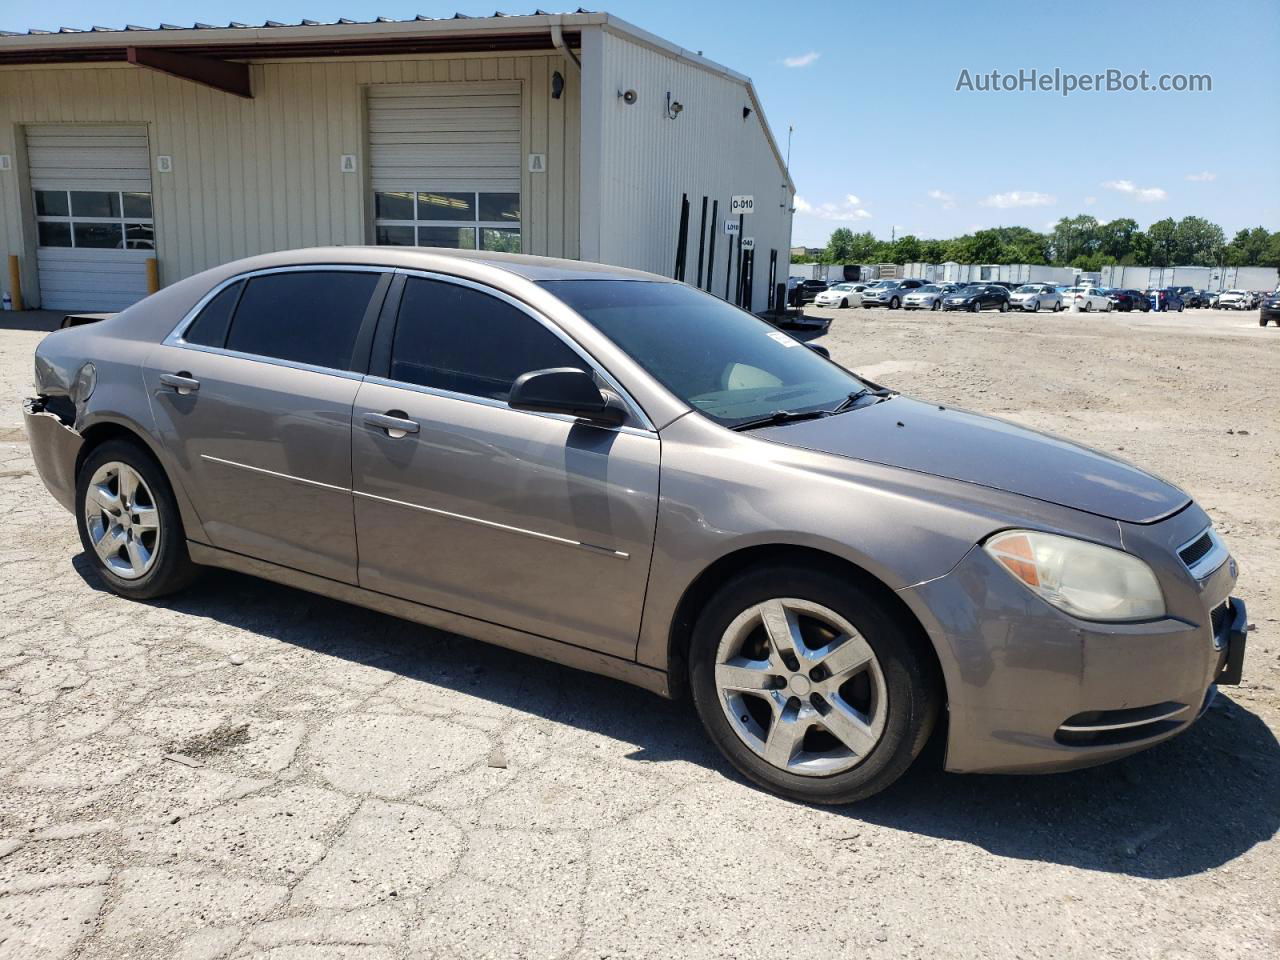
140, 156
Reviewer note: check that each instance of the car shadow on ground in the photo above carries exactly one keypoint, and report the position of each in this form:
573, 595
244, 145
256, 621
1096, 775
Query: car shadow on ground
1189, 805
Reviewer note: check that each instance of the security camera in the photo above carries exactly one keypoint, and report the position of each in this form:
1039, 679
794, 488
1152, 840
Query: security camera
628, 96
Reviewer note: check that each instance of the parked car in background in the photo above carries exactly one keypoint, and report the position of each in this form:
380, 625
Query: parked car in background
1198, 300
1004, 283
1165, 299
1128, 300
889, 293
824, 584
928, 297
1235, 300
978, 296
810, 289
1258, 297
840, 295
1185, 294
1269, 309
1036, 297
1086, 299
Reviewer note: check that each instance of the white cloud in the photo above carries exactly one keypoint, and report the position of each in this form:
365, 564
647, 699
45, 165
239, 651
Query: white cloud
803, 60
849, 210
1141, 194
1019, 198
1203, 176
947, 200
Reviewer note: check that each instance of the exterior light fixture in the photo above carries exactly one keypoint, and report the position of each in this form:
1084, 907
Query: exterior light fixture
673, 107
557, 85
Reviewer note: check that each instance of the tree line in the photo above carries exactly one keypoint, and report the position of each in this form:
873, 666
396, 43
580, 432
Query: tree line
1081, 242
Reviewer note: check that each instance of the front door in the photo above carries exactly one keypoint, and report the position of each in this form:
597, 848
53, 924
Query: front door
253, 399
533, 521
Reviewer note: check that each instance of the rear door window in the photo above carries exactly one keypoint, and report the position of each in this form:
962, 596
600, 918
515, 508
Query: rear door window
306, 316
463, 340
210, 328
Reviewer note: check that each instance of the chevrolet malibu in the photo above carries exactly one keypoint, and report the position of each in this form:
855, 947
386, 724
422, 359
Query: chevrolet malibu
623, 474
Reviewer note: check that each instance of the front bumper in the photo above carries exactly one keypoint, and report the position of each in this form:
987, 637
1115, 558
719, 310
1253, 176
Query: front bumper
1033, 690
55, 448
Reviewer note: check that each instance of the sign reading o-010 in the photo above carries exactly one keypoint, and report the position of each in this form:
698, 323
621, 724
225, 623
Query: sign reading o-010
742, 205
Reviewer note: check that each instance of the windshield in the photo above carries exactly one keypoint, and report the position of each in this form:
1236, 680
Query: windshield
970, 290
843, 286
1028, 288
882, 284
930, 288
720, 360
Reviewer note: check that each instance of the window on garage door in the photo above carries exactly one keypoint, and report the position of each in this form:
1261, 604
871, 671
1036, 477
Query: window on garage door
96, 219
466, 220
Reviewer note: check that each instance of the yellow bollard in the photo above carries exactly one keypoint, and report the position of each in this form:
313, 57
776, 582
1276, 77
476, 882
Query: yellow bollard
15, 282
153, 275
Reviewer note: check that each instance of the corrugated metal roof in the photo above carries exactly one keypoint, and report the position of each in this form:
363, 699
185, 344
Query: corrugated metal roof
342, 21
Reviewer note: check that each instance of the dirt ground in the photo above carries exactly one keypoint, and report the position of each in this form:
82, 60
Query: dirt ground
249, 771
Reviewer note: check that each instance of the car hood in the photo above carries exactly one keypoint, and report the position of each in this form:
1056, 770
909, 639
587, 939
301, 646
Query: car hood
906, 433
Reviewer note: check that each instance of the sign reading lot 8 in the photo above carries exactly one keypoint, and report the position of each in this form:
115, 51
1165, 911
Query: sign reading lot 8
741, 205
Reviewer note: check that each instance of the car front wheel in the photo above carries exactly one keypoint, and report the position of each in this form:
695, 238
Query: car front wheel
937, 304
894, 303
129, 522
810, 685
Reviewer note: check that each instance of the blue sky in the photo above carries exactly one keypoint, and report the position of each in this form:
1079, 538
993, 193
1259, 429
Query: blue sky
882, 138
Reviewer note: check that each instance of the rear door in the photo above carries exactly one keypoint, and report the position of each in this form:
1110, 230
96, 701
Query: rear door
253, 398
534, 521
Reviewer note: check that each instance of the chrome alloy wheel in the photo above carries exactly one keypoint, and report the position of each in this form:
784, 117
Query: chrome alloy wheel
122, 519
801, 687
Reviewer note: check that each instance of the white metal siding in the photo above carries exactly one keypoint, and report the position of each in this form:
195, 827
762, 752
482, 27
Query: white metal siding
445, 136
89, 157
647, 161
251, 176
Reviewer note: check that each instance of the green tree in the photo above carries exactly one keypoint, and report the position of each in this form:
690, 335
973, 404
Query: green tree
933, 251
864, 247
840, 246
1116, 237
906, 250
1196, 240
1248, 248
1163, 236
1072, 237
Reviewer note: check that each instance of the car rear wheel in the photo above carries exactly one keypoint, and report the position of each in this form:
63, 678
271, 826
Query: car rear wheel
894, 303
1004, 306
1088, 306
937, 305
809, 685
129, 522
1057, 307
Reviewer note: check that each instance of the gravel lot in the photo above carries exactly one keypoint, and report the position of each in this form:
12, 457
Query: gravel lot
249, 771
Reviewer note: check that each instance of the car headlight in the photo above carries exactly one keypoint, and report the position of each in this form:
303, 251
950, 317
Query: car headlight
1084, 579
86, 381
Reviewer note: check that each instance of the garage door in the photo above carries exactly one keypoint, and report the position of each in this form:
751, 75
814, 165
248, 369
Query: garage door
92, 186
444, 160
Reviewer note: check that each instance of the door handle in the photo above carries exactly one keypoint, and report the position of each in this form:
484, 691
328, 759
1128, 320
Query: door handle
183, 382
393, 421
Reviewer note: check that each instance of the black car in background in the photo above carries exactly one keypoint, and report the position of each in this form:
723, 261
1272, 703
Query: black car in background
811, 288
1198, 299
978, 296
1270, 309
1165, 299
1186, 294
1129, 300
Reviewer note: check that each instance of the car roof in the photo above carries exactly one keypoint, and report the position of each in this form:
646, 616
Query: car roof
440, 259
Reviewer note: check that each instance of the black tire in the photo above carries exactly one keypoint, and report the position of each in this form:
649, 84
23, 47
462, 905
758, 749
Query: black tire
1057, 307
913, 692
894, 303
844, 304
1035, 306
937, 304
172, 568
974, 308
1088, 306
1004, 306
1262, 322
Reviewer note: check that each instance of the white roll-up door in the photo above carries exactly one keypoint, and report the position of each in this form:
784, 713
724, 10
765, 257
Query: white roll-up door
94, 223
445, 163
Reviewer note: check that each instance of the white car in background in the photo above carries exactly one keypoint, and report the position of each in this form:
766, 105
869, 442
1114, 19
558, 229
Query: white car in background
1235, 300
928, 297
1086, 299
1036, 297
841, 295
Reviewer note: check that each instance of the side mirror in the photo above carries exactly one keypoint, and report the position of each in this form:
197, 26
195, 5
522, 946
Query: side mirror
569, 391
819, 350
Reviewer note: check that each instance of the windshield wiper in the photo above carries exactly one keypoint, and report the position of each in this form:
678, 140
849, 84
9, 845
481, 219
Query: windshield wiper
778, 417
848, 402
